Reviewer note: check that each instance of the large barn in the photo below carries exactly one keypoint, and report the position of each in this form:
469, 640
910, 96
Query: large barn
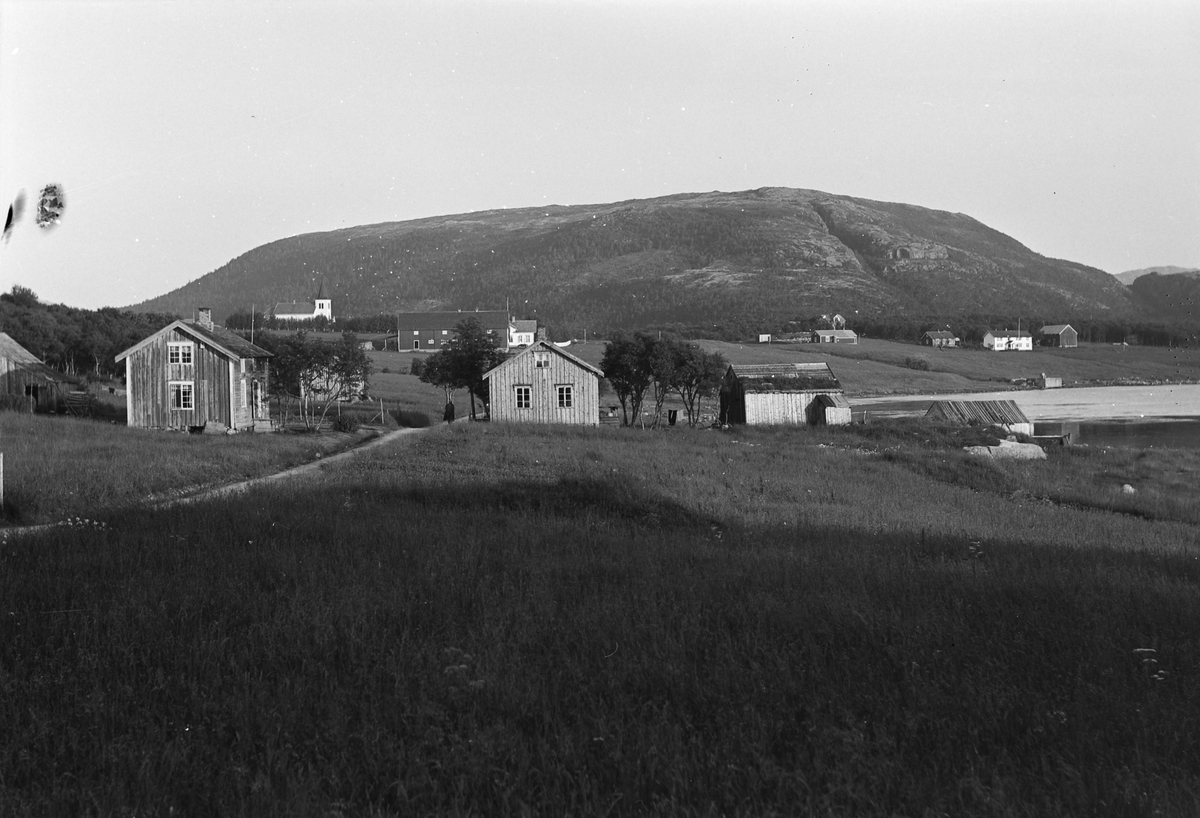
1003, 413
193, 375
544, 384
796, 394
1058, 335
22, 375
430, 331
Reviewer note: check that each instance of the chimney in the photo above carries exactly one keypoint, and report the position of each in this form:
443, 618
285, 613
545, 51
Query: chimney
204, 317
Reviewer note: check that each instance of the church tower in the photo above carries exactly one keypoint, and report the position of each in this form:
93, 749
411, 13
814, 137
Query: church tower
324, 306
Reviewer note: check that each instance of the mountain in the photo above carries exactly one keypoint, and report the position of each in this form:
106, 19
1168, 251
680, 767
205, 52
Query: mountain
761, 257
1174, 297
1130, 276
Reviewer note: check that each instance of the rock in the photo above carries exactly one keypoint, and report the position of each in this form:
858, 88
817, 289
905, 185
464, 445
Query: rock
1009, 450
1128, 489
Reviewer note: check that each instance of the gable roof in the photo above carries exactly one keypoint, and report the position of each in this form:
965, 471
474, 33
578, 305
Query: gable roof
1054, 329
229, 344
294, 308
940, 333
537, 345
1008, 333
22, 359
521, 325
489, 319
992, 412
837, 333
806, 377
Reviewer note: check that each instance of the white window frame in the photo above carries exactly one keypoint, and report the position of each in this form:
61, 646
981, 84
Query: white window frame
566, 395
182, 395
541, 359
181, 350
525, 392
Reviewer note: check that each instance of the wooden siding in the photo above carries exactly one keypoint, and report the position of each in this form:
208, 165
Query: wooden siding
543, 383
780, 408
149, 376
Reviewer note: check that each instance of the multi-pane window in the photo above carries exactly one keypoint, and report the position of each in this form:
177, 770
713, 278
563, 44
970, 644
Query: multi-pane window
182, 395
179, 352
541, 360
566, 394
524, 397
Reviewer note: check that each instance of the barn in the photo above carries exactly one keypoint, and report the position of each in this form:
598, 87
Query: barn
1058, 335
795, 394
430, 331
23, 376
834, 336
193, 375
544, 384
1003, 413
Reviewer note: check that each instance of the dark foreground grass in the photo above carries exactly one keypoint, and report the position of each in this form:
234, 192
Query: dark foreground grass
498, 621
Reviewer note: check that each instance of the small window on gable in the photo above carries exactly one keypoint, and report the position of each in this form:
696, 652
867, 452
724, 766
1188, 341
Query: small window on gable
566, 396
179, 352
416, 332
524, 396
445, 332
541, 359
182, 395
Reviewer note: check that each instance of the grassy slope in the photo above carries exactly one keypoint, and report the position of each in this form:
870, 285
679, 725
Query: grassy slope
493, 620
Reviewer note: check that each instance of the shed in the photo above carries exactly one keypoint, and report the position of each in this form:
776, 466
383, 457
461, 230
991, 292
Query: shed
1058, 335
834, 336
191, 374
939, 338
22, 375
544, 384
1004, 413
763, 394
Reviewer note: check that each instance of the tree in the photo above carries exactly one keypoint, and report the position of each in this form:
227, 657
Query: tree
695, 374
469, 355
628, 365
436, 371
314, 374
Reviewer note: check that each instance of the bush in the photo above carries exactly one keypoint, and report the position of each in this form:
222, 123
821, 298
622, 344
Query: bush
345, 423
13, 403
917, 363
411, 418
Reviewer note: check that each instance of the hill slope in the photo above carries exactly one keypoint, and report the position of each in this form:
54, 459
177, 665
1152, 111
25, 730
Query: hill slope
1174, 297
1130, 276
764, 256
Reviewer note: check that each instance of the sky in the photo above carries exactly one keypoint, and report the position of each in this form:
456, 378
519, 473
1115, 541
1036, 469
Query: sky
186, 133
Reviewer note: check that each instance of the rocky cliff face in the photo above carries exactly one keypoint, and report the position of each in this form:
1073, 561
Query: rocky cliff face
701, 258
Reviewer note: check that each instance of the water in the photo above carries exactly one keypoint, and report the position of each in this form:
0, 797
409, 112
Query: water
1137, 434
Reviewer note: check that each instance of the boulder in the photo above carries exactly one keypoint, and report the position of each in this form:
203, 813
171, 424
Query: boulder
1009, 450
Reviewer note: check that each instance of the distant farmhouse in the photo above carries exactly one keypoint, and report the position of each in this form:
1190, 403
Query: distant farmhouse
1003, 413
940, 338
793, 394
544, 384
193, 375
522, 333
23, 376
319, 307
834, 336
1008, 339
430, 331
1058, 335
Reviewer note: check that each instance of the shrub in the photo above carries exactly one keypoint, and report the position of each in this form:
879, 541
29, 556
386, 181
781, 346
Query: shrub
345, 423
13, 403
916, 362
411, 418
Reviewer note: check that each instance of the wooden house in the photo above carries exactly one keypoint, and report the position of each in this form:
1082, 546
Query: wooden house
192, 375
23, 376
522, 333
797, 394
430, 331
1058, 335
544, 384
834, 336
1003, 413
939, 338
999, 340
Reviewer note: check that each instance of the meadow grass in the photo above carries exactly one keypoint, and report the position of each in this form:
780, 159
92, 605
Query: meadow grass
494, 620
58, 467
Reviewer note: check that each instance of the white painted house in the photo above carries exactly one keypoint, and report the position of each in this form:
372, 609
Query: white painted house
1000, 340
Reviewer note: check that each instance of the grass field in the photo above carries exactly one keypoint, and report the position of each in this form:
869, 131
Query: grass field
491, 620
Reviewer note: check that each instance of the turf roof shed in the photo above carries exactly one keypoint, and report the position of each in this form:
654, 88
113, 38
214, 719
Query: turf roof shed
1003, 413
782, 394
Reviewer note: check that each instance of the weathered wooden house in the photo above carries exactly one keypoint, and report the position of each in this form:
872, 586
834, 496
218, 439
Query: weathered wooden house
1058, 335
193, 374
766, 394
834, 336
1003, 413
939, 338
544, 384
41, 388
1000, 340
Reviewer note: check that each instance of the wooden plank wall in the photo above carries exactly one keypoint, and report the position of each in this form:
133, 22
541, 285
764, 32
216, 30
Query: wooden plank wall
778, 408
149, 394
544, 406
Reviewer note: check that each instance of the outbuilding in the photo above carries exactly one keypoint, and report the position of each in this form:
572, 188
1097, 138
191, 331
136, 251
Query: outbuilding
1003, 413
544, 384
195, 375
834, 336
23, 376
782, 394
1058, 335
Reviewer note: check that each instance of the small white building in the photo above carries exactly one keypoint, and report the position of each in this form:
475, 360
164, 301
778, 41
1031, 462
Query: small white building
1000, 340
319, 307
522, 333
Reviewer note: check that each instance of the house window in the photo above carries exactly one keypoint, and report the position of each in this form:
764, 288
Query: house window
541, 360
566, 393
524, 397
445, 332
416, 332
430, 342
179, 352
416, 343
182, 397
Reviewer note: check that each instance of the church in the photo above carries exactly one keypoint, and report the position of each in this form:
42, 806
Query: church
319, 307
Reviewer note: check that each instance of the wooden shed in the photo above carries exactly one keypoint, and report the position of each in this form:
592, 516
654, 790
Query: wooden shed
192, 375
834, 336
23, 376
544, 384
1058, 335
939, 338
783, 394
1003, 413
